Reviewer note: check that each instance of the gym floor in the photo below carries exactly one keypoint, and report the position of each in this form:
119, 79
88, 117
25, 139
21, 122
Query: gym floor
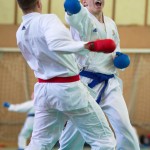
86, 148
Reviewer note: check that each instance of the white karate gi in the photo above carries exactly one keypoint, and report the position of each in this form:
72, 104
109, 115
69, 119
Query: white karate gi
26, 131
47, 46
85, 27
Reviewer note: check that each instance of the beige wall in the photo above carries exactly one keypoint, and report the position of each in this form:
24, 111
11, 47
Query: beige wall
57, 8
7, 12
149, 12
132, 18
131, 12
108, 9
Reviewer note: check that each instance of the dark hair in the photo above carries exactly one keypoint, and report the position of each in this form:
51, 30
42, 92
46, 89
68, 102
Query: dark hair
27, 4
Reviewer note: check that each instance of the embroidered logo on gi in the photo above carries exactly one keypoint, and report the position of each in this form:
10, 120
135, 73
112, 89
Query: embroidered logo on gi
23, 28
95, 30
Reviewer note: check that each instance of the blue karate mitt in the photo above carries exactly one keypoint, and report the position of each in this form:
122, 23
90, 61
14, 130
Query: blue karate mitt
6, 104
72, 6
121, 60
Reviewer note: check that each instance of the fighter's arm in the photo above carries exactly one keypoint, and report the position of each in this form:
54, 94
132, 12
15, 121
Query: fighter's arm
75, 34
23, 107
121, 60
59, 39
81, 20
117, 38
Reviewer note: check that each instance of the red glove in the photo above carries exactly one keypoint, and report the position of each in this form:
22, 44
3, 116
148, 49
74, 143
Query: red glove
105, 46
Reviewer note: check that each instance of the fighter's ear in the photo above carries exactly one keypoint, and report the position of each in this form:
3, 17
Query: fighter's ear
84, 2
39, 4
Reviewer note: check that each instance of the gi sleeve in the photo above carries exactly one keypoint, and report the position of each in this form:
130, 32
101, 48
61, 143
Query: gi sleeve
23, 107
58, 37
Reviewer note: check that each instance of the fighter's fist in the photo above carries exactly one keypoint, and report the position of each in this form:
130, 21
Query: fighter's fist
6, 104
121, 60
104, 45
72, 6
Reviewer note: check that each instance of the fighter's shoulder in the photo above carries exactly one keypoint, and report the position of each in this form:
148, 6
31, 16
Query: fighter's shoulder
47, 17
18, 30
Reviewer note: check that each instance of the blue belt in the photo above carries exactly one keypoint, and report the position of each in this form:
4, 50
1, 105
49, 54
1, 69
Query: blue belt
97, 79
31, 115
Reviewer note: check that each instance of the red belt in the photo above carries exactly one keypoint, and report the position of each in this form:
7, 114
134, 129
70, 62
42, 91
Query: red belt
60, 79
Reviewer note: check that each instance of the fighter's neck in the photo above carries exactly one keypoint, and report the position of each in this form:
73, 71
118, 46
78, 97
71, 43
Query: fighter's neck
99, 17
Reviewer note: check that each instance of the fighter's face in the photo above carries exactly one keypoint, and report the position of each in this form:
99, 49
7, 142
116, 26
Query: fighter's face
95, 6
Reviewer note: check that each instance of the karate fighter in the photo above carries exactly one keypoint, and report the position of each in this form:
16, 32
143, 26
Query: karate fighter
59, 95
26, 131
99, 73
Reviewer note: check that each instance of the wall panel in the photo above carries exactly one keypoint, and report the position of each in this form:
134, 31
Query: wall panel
19, 15
45, 6
130, 12
7, 11
108, 8
57, 7
148, 20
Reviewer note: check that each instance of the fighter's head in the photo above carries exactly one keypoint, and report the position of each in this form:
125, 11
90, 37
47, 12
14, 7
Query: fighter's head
94, 6
28, 6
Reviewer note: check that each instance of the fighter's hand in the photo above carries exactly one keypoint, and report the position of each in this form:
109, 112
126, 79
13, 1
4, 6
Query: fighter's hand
104, 45
6, 104
72, 6
121, 61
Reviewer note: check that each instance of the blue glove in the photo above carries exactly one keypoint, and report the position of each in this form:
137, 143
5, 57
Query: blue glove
121, 60
72, 6
6, 104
